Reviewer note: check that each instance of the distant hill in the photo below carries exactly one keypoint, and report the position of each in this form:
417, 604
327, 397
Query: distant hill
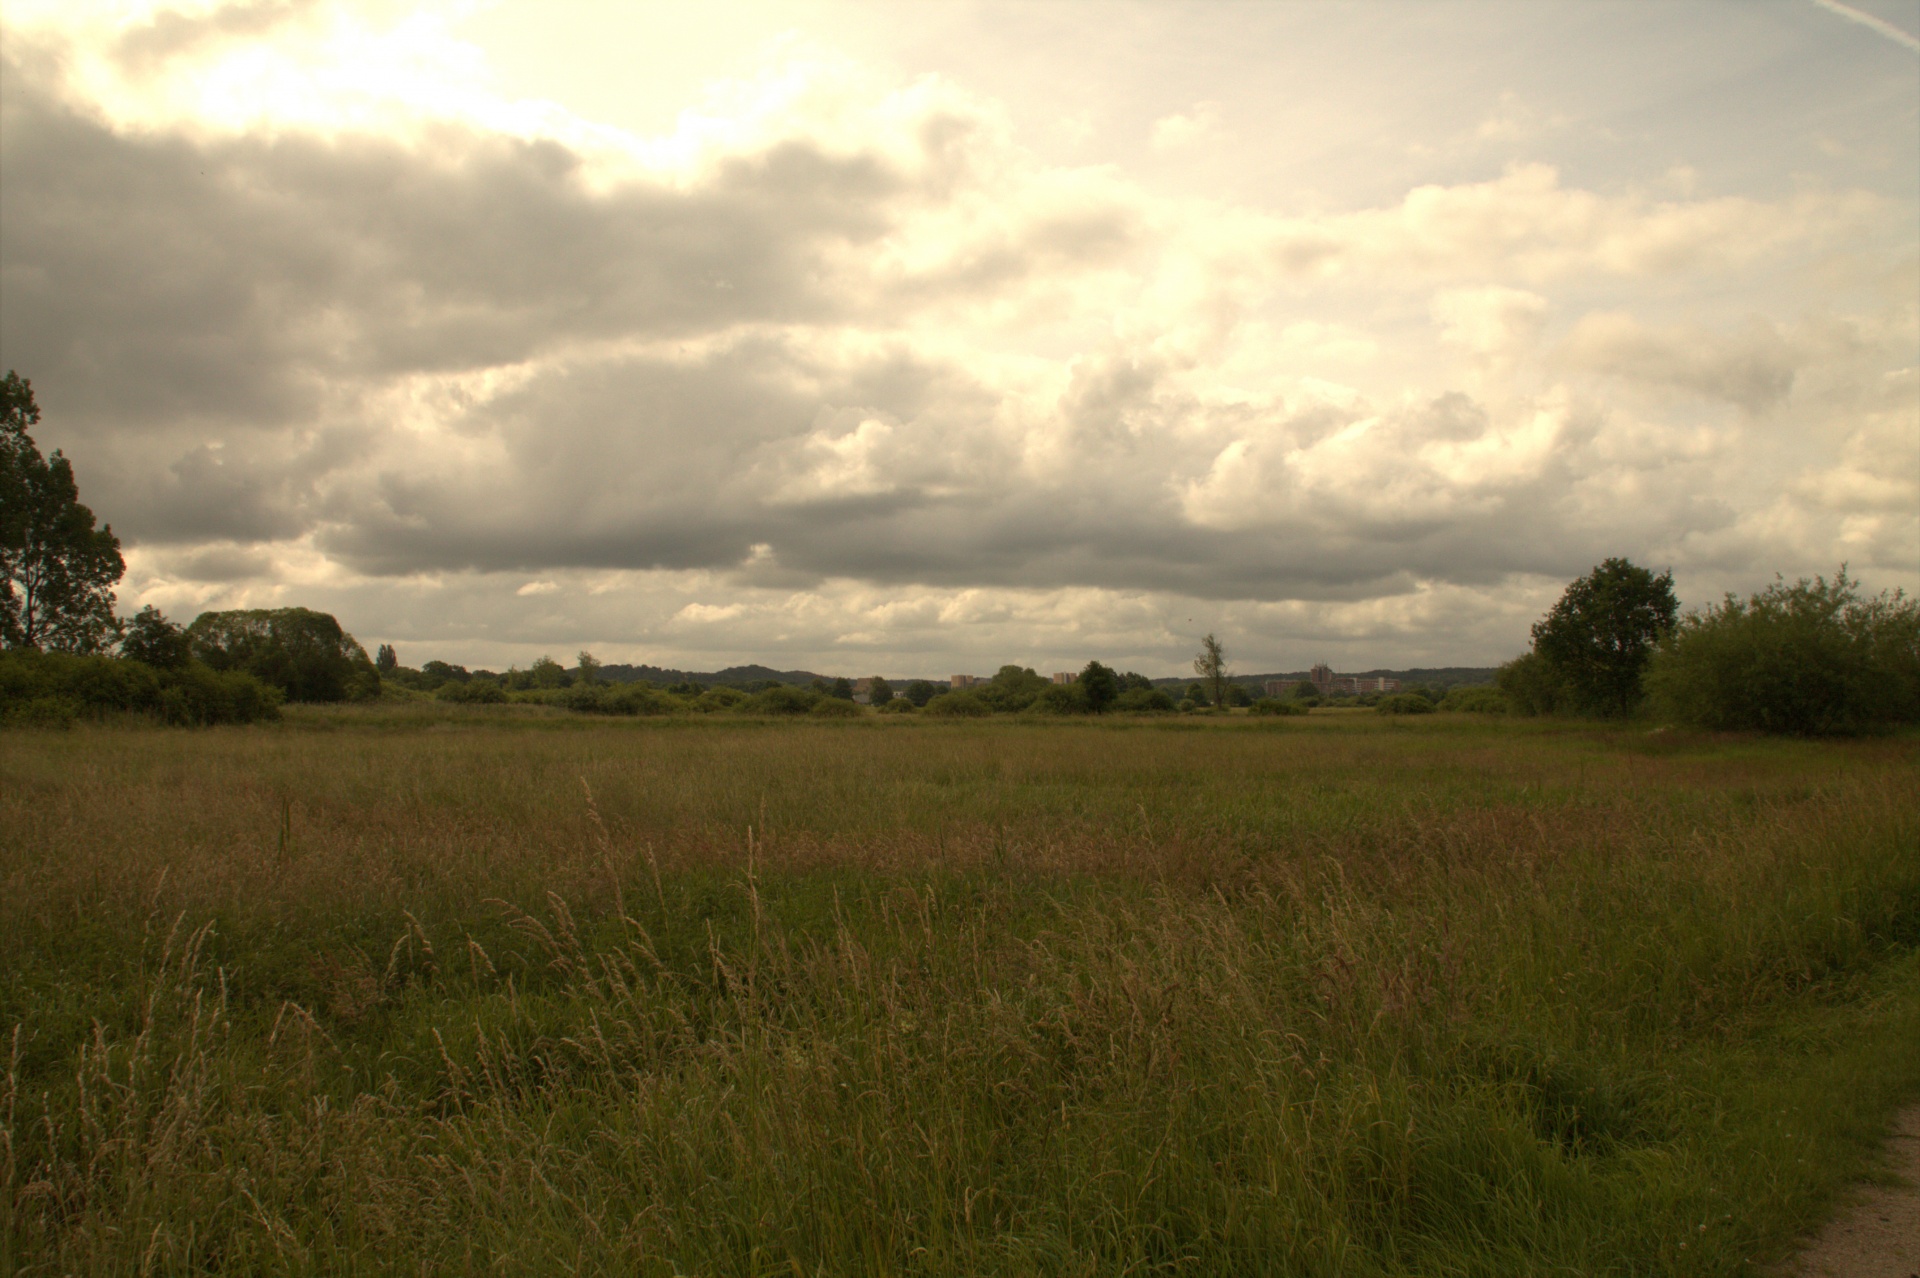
732, 674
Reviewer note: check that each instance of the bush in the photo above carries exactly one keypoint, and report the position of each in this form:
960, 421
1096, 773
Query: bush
56, 688
784, 699
835, 708
1810, 659
1478, 699
1144, 701
958, 705
899, 705
1059, 698
1405, 703
1530, 686
472, 692
718, 699
1274, 705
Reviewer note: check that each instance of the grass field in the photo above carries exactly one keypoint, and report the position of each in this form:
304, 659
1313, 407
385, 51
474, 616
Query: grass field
435, 990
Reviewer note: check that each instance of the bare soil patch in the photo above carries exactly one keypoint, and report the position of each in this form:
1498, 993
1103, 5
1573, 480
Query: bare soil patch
1879, 1236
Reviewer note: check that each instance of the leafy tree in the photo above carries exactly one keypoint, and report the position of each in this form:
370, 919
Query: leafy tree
879, 692
842, 690
1211, 666
1012, 689
303, 653
1148, 700
1132, 680
961, 705
1237, 695
1598, 639
57, 571
919, 692
1196, 693
386, 661
1531, 686
152, 639
1100, 686
588, 669
1306, 689
1405, 703
1061, 698
548, 673
1811, 659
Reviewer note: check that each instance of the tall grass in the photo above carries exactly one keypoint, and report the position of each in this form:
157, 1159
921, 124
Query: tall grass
456, 990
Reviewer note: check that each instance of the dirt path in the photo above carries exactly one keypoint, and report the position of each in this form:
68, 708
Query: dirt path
1880, 1236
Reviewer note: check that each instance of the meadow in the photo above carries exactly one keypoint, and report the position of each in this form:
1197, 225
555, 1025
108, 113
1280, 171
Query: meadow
444, 989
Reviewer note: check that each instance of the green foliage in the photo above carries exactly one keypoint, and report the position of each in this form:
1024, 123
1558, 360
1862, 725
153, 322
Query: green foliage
57, 688
57, 571
1531, 686
1011, 690
899, 705
721, 698
1098, 686
919, 692
1147, 700
303, 653
958, 705
1274, 705
1810, 659
1133, 681
842, 689
1474, 699
1598, 639
782, 700
1405, 703
545, 672
386, 660
879, 693
836, 708
473, 692
1196, 693
587, 668
1060, 698
153, 640
1211, 665
1237, 695
1306, 691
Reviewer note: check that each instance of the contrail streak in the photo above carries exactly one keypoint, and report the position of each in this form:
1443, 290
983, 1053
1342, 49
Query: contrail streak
1881, 25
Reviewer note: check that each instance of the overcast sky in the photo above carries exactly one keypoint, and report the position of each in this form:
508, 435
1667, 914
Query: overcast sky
918, 338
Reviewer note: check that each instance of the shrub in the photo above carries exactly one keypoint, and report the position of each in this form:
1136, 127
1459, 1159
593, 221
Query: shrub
1478, 699
835, 708
1274, 705
1531, 686
1144, 701
57, 688
718, 699
473, 692
958, 705
1059, 698
784, 699
919, 692
1237, 695
1405, 703
899, 705
1809, 659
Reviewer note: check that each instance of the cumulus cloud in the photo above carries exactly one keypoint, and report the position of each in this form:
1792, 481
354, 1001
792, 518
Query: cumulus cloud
842, 365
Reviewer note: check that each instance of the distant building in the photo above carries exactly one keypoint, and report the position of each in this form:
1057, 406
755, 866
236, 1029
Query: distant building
863, 692
1329, 684
1064, 676
967, 681
1277, 687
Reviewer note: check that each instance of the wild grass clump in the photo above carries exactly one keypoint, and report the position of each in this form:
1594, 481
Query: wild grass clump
716, 995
